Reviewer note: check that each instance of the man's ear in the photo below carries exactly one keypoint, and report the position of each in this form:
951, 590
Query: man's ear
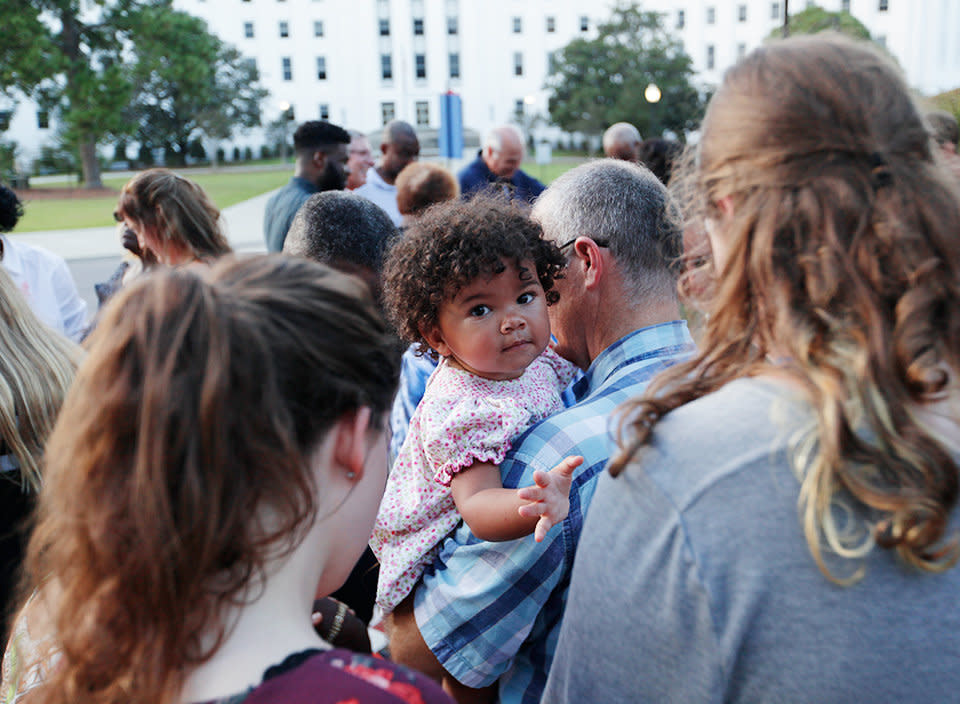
434, 338
319, 159
350, 441
590, 255
383, 148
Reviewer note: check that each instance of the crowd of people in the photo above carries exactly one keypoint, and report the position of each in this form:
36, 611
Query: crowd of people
683, 425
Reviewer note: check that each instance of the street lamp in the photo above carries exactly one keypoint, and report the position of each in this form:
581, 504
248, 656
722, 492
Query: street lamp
652, 95
286, 115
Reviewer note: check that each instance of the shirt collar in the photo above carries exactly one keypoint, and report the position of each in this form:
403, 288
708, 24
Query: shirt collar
11, 257
639, 344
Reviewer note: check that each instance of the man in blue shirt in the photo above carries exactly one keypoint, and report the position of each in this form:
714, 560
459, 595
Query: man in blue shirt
498, 164
321, 155
491, 612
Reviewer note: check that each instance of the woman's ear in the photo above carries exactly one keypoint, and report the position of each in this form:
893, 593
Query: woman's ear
434, 338
350, 442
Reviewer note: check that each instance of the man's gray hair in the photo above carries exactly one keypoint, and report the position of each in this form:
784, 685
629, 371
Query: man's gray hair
494, 137
624, 206
340, 228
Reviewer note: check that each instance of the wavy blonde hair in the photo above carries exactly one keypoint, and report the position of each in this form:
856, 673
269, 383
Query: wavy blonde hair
37, 365
844, 258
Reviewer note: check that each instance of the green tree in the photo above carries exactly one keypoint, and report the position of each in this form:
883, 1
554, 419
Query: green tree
815, 19
69, 55
597, 82
190, 83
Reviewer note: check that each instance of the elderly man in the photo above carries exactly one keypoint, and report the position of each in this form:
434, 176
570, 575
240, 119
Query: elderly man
360, 159
943, 127
491, 612
398, 147
498, 162
622, 141
321, 165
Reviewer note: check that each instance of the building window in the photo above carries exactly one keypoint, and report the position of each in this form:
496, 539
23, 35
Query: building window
741, 50
453, 25
517, 63
454, 65
43, 119
418, 26
420, 65
318, 28
321, 68
284, 30
287, 68
681, 19
584, 23
251, 64
845, 6
387, 112
551, 25
324, 111
248, 30
710, 57
884, 6
384, 28
882, 40
711, 15
423, 113
517, 25
518, 109
774, 10
551, 62
386, 66
742, 13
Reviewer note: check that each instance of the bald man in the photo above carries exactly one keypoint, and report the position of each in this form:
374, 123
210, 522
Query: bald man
398, 147
498, 162
622, 141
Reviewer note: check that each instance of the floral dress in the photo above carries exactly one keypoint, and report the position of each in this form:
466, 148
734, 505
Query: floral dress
462, 419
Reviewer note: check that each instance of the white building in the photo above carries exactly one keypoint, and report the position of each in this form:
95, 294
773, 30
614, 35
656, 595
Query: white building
360, 63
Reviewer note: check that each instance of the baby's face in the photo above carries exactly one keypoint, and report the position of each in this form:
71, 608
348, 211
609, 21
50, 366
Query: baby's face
495, 327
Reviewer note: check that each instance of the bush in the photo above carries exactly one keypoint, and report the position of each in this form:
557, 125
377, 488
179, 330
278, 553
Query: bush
145, 155
236, 153
196, 149
221, 155
247, 154
265, 152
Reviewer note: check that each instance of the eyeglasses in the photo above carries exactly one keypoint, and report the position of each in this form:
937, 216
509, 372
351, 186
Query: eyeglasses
599, 243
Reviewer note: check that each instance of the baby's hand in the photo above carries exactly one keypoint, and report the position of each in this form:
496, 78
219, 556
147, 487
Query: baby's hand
550, 496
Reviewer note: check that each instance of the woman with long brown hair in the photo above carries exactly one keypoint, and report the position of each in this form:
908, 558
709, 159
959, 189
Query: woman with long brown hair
782, 522
221, 453
173, 218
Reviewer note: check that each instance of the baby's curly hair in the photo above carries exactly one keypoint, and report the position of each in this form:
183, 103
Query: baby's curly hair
452, 244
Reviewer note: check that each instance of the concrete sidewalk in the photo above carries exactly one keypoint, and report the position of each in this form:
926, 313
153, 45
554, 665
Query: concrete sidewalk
243, 225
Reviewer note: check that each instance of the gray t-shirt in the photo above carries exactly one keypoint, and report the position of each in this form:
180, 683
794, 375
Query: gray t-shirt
693, 581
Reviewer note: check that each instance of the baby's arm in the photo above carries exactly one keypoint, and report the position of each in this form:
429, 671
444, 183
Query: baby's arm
494, 513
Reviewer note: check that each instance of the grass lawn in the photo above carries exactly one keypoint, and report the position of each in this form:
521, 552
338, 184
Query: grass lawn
225, 188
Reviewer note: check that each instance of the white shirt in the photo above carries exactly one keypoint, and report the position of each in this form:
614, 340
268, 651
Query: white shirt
381, 193
46, 283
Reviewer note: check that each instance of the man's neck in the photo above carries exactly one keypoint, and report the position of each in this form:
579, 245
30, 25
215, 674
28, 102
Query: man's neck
384, 176
613, 324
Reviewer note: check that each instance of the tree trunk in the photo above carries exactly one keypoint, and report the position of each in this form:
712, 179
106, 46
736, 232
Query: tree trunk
91, 167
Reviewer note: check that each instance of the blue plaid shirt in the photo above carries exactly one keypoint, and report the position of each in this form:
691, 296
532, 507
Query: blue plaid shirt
493, 610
